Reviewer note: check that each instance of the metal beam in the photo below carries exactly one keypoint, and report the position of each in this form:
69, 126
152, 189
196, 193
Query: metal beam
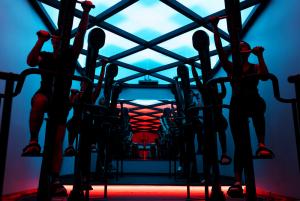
38, 7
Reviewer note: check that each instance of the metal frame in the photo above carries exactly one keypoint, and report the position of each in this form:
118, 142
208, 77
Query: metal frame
197, 19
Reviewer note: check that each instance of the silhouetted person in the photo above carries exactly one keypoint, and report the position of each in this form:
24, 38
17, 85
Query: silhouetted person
245, 102
220, 121
40, 101
221, 125
74, 123
126, 131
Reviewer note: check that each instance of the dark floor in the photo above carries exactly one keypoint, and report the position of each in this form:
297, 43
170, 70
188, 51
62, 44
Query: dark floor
148, 179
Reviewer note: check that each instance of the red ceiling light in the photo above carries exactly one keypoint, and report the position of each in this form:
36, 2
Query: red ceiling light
144, 117
126, 106
145, 127
145, 111
163, 106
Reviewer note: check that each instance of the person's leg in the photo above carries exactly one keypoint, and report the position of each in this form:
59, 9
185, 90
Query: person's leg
259, 124
38, 107
57, 149
221, 128
73, 130
237, 120
57, 187
58, 115
197, 124
258, 119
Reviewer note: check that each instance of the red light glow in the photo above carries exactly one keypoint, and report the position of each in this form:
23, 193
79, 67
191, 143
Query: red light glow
149, 192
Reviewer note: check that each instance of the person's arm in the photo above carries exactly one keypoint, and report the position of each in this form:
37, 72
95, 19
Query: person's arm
227, 65
79, 38
261, 67
97, 90
34, 58
196, 77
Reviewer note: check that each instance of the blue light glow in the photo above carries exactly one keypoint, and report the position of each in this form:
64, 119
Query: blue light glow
183, 44
136, 80
148, 59
146, 102
53, 13
114, 44
203, 7
124, 72
100, 6
156, 16
148, 20
245, 13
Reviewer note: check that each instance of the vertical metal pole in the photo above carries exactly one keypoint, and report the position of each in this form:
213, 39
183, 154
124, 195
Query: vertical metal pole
4, 132
210, 156
65, 22
296, 117
296, 112
234, 25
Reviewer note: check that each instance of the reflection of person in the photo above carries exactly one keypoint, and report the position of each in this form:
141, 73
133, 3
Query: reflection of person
74, 123
220, 121
39, 105
245, 102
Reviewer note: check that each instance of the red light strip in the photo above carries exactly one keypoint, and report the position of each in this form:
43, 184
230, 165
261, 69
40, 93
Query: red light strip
147, 191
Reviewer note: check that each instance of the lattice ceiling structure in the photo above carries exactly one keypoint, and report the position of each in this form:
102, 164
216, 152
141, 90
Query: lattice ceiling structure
148, 39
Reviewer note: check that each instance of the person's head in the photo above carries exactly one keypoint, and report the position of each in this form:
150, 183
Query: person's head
245, 50
56, 40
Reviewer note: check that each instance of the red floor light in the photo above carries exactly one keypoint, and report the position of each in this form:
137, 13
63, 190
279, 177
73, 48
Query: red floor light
147, 191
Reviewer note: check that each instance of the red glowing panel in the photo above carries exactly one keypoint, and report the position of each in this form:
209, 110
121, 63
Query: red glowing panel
133, 120
147, 192
144, 117
155, 121
145, 111
132, 114
157, 114
165, 106
143, 123
126, 106
145, 127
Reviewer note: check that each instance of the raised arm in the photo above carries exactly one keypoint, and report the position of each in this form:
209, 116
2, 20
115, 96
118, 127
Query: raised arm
227, 65
196, 77
261, 67
97, 90
34, 58
79, 38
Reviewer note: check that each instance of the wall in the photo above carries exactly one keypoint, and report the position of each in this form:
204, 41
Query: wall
18, 26
277, 30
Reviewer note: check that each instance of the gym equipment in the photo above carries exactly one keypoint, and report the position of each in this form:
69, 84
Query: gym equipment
209, 94
8, 95
96, 40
